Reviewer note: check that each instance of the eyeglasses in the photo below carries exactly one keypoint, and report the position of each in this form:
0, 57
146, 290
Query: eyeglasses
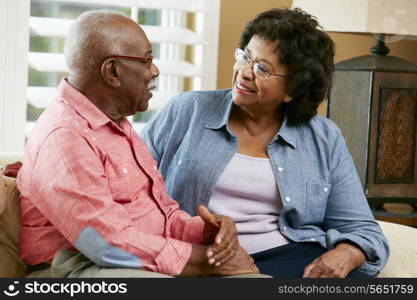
148, 60
243, 59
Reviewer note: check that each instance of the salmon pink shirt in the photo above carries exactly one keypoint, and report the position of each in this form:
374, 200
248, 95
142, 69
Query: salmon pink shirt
91, 185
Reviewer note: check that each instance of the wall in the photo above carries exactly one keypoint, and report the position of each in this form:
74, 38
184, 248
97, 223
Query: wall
235, 13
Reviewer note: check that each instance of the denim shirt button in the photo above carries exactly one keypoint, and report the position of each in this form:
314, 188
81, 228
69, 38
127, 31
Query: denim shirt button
280, 169
326, 189
284, 228
312, 239
288, 199
179, 162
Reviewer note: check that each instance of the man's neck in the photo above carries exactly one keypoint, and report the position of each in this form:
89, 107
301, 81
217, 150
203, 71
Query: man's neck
98, 95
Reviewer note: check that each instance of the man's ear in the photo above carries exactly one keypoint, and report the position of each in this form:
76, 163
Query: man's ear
110, 71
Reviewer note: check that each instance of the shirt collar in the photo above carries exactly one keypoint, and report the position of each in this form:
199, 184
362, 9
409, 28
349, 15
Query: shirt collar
220, 118
287, 133
84, 107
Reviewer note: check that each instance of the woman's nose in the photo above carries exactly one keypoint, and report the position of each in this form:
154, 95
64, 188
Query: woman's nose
246, 71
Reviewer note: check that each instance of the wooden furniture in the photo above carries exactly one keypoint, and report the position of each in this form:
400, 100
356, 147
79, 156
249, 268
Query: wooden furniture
374, 102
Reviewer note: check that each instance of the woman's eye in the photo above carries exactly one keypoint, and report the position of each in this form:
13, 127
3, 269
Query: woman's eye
245, 57
262, 69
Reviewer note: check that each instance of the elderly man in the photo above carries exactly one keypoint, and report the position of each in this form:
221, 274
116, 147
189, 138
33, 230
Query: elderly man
88, 182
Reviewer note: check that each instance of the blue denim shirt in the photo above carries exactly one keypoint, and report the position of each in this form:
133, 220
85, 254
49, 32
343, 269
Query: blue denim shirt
322, 196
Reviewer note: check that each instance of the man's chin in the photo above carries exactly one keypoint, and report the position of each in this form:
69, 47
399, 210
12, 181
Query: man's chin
143, 106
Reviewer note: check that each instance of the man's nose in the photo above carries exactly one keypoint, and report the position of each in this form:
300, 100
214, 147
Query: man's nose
154, 70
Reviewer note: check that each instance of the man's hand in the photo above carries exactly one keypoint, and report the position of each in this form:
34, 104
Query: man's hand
221, 234
336, 263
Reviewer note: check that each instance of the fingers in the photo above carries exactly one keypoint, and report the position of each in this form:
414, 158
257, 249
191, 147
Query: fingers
225, 241
309, 269
206, 216
227, 231
225, 252
323, 268
222, 252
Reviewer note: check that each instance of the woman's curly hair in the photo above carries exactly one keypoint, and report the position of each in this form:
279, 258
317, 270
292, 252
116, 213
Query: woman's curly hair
306, 50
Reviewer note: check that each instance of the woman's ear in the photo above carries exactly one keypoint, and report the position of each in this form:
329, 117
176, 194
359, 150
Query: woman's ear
287, 99
110, 71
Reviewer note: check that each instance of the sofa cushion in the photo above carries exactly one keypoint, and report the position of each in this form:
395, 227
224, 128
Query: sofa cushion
403, 244
11, 170
10, 263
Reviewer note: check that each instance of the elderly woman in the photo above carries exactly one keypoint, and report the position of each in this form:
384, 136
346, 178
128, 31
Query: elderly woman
260, 154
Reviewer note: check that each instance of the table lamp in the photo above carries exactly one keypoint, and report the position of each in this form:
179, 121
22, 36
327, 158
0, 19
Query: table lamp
373, 99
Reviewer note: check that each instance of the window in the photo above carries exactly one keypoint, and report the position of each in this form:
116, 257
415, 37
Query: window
182, 32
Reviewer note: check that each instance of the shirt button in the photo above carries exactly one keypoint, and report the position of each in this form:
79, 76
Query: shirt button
77, 124
284, 228
288, 199
154, 167
312, 239
326, 189
179, 162
124, 170
93, 138
85, 130
280, 169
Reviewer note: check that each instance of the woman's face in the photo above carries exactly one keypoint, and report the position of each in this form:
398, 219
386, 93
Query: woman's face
253, 92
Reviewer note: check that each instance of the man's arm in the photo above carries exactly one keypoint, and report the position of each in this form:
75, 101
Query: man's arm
69, 186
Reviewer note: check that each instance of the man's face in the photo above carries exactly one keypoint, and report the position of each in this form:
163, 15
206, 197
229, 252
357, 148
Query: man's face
137, 77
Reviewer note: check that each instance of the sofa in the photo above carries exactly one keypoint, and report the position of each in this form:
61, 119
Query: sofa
402, 239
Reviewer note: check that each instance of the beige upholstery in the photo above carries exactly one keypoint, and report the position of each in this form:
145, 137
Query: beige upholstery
403, 244
10, 263
402, 239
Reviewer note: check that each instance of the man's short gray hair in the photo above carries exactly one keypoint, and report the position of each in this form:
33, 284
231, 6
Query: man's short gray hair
87, 43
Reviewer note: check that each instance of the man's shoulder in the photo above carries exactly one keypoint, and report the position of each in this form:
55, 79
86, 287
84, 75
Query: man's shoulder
56, 117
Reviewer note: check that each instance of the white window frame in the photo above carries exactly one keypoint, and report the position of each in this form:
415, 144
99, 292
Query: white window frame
14, 45
202, 71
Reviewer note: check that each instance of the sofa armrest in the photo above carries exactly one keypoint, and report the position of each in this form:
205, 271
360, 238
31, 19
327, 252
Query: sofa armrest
403, 244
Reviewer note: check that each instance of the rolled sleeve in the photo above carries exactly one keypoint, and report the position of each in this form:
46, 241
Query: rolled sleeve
75, 183
348, 216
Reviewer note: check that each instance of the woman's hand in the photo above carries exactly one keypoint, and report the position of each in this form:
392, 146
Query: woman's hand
336, 263
220, 232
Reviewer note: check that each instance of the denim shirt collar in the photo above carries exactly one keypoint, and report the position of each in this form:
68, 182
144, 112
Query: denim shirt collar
220, 118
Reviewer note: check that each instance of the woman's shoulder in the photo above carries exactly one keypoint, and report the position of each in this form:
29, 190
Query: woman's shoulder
323, 128
200, 98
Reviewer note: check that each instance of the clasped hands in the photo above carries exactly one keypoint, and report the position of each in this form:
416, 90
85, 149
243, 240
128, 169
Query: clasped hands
224, 253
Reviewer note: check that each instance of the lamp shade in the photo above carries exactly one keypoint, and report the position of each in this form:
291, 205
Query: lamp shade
389, 17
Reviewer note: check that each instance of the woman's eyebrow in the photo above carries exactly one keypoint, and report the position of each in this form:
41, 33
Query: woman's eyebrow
259, 60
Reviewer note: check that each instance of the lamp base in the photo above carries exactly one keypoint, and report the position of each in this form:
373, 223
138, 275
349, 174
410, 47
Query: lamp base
380, 48
377, 63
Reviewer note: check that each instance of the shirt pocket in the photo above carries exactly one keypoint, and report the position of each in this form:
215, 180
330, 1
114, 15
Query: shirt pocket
316, 201
120, 189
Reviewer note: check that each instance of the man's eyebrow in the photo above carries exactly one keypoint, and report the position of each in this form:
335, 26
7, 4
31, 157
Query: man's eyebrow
259, 60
